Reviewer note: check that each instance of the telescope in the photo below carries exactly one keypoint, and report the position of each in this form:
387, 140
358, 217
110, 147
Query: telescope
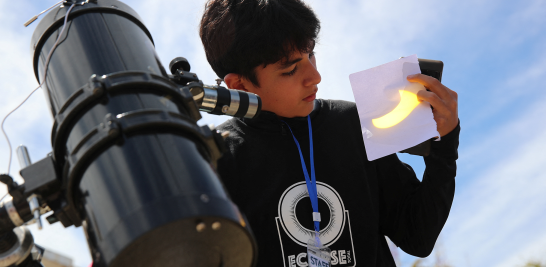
128, 163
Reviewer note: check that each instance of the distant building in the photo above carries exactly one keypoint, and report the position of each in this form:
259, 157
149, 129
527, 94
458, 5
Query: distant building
54, 259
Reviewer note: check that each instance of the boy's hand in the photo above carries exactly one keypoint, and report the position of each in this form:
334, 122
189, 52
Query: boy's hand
443, 99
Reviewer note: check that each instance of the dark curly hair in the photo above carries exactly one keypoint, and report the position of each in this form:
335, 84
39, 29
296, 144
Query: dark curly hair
239, 35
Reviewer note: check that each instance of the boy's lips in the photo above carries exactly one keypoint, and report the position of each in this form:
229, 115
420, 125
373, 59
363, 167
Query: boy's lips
311, 97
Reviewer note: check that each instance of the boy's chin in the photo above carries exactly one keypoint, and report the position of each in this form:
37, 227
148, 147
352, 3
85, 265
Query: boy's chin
301, 112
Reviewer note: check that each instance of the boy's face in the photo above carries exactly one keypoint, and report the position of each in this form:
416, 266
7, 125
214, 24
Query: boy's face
288, 88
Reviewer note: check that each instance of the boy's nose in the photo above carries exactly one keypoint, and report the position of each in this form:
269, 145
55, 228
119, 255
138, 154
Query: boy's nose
313, 76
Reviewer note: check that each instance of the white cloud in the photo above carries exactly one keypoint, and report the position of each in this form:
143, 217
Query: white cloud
497, 218
499, 210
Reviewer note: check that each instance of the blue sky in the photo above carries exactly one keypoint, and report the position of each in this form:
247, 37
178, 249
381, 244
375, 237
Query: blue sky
494, 58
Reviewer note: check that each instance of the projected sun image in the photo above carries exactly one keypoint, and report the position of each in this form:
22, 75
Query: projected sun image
408, 102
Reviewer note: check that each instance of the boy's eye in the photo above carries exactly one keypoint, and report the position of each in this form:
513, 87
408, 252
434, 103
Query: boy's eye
291, 72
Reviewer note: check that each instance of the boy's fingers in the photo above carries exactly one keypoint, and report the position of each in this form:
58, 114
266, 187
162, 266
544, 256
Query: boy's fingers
432, 84
432, 98
443, 99
454, 94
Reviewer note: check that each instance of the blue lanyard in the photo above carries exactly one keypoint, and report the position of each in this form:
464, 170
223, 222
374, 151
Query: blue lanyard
311, 183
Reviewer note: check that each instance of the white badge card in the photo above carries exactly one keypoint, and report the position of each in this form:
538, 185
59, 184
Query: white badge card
317, 254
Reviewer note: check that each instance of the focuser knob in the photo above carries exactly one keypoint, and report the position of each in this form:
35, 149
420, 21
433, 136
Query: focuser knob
179, 63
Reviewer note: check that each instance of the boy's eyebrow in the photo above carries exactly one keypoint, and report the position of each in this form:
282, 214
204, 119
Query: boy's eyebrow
287, 64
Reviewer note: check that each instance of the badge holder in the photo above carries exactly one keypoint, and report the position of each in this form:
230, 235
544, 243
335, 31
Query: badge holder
317, 254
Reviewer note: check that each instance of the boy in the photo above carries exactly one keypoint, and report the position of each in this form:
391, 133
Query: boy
266, 47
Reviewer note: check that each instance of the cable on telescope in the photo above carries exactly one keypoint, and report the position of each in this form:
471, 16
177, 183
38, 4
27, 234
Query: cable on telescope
31, 20
39, 86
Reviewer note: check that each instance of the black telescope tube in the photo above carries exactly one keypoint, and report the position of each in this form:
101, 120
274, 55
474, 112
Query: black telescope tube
137, 171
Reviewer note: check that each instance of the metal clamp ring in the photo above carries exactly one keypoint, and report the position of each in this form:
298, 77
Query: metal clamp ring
12, 212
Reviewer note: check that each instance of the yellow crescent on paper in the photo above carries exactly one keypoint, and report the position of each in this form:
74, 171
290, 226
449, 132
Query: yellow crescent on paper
408, 102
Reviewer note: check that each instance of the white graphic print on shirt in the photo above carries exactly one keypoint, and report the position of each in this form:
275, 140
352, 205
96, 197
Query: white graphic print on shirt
295, 225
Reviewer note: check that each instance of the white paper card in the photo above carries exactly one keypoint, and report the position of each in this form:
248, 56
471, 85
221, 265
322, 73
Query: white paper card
390, 117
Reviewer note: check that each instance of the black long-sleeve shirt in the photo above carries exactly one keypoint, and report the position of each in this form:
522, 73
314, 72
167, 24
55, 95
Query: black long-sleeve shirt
360, 201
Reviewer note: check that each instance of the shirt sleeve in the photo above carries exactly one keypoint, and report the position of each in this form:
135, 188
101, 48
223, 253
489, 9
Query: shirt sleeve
413, 213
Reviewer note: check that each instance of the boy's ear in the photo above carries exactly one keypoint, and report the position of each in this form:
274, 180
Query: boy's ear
235, 81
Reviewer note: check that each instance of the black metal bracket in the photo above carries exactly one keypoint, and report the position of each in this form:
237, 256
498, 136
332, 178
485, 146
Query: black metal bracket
180, 68
182, 78
41, 177
121, 82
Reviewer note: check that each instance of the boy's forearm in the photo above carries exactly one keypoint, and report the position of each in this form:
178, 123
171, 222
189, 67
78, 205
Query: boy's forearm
441, 161
422, 214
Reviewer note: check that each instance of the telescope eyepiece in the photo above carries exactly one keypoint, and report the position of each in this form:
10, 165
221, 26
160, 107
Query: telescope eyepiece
214, 99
